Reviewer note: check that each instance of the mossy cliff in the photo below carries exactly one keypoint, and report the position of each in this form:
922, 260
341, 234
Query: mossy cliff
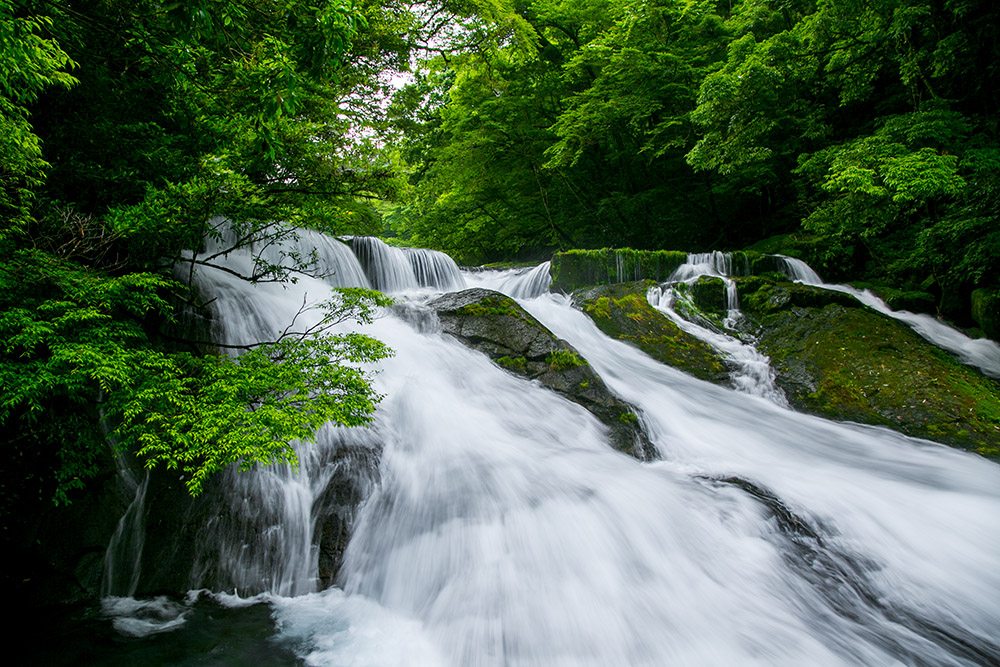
497, 326
839, 359
582, 268
622, 312
986, 311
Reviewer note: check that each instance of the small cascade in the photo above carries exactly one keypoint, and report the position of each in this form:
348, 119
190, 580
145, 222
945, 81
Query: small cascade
434, 269
716, 264
387, 267
705, 264
627, 268
517, 283
392, 269
752, 370
123, 558
798, 270
980, 353
753, 373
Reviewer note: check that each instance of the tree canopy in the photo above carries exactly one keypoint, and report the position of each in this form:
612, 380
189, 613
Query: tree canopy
131, 131
868, 128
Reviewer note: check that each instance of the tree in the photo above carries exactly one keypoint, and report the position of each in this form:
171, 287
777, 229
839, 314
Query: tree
186, 120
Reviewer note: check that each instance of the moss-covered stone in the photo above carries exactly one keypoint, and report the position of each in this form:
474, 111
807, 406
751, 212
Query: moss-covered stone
851, 363
581, 268
622, 312
760, 296
560, 360
497, 326
709, 294
986, 311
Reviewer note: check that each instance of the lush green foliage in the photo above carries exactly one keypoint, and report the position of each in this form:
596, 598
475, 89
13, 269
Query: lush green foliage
869, 126
130, 131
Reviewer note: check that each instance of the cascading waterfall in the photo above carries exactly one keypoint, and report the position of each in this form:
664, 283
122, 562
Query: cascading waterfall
394, 270
505, 531
122, 559
752, 372
434, 269
517, 283
980, 353
798, 270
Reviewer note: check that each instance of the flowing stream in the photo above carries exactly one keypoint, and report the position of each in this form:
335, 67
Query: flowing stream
503, 530
981, 353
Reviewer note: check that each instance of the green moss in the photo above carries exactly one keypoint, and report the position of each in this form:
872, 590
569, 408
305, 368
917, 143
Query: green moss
584, 385
628, 418
622, 312
854, 364
491, 306
518, 364
561, 360
580, 268
709, 294
986, 311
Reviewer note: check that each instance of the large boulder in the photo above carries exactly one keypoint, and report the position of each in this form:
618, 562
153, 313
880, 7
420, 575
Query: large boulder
839, 359
497, 326
622, 312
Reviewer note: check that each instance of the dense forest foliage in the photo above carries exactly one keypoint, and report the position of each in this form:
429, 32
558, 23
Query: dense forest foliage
131, 130
860, 135
867, 130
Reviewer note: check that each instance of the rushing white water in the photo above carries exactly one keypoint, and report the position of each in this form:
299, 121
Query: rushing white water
517, 283
506, 531
393, 270
981, 353
752, 372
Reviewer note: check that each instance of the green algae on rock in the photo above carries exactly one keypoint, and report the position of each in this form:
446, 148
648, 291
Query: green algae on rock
583, 268
621, 311
839, 359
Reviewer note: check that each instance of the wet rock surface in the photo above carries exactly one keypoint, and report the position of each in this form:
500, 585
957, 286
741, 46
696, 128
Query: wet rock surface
621, 311
496, 325
837, 358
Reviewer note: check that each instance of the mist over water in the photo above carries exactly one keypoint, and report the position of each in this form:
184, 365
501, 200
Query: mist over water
504, 530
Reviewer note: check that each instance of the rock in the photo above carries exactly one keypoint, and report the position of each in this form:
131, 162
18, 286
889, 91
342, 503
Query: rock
622, 312
854, 364
497, 326
986, 311
709, 294
581, 268
760, 297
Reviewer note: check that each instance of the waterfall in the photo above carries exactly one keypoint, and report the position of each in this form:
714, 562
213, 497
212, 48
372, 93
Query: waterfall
525, 283
394, 270
501, 529
981, 353
752, 372
798, 270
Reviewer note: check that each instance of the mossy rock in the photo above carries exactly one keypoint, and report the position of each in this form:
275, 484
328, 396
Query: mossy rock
986, 311
574, 269
915, 301
760, 296
853, 364
709, 294
622, 312
497, 326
